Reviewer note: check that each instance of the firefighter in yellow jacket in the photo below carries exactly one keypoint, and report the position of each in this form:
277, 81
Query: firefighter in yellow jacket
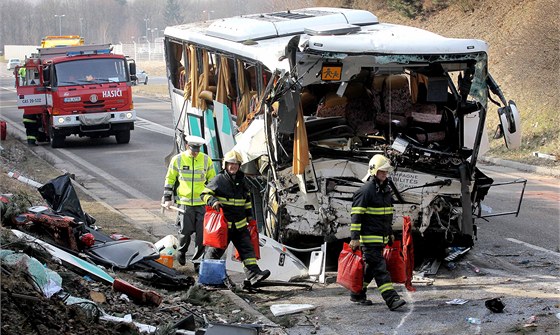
187, 175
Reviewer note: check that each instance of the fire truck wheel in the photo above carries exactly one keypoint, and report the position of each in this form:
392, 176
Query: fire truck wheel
57, 141
123, 136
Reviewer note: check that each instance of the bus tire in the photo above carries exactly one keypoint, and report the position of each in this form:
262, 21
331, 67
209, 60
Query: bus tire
123, 136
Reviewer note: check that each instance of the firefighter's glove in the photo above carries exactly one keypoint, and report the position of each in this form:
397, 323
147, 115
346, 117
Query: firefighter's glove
217, 205
167, 204
391, 240
354, 244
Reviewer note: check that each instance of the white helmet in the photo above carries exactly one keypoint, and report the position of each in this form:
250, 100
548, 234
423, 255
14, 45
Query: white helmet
379, 163
194, 142
231, 156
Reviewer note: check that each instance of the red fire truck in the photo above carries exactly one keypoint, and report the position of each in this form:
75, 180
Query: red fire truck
82, 90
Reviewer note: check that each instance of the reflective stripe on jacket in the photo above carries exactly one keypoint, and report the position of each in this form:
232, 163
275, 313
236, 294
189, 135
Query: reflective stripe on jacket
191, 174
372, 213
234, 196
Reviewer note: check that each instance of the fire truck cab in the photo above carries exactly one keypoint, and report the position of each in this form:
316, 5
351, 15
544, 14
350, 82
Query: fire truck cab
81, 90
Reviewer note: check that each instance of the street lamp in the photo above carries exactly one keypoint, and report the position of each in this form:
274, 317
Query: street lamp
152, 30
146, 20
60, 23
81, 25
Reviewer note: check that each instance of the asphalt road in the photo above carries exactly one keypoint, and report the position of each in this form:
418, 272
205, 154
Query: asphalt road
517, 257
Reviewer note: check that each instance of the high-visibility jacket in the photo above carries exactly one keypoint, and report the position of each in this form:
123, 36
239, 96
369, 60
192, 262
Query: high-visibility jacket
188, 175
372, 213
233, 194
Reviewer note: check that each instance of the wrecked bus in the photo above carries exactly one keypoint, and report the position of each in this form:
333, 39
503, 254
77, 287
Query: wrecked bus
308, 96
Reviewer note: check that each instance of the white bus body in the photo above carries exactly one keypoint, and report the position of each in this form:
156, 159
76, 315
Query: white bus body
308, 96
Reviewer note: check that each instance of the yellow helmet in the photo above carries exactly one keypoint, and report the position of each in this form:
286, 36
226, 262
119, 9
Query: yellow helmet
231, 156
379, 163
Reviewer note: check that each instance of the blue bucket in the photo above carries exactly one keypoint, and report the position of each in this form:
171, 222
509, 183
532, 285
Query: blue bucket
212, 272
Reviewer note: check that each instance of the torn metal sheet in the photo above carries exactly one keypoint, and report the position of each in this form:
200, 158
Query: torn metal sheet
282, 264
285, 309
66, 258
123, 254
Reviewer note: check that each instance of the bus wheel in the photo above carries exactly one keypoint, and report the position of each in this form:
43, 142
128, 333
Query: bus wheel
123, 136
57, 141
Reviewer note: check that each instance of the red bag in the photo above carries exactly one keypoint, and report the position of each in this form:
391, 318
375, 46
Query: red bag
254, 233
350, 269
395, 262
215, 229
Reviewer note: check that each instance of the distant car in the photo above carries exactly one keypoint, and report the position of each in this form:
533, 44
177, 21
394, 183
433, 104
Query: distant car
12, 63
141, 77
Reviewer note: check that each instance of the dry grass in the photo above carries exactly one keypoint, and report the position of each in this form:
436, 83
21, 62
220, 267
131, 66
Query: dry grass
154, 68
158, 91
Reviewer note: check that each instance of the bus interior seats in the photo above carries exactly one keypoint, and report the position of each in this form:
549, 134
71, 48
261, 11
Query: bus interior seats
430, 119
418, 87
359, 110
396, 101
332, 105
308, 102
427, 124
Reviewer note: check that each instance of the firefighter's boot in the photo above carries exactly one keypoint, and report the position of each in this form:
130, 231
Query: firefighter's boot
255, 275
31, 142
361, 298
181, 258
395, 302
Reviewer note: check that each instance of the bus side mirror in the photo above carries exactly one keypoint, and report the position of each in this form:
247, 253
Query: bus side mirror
132, 69
46, 76
510, 125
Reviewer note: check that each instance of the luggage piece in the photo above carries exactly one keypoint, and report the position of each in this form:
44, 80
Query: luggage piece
395, 262
254, 233
215, 229
350, 269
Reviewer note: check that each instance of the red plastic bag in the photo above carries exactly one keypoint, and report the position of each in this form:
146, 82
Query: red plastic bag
254, 233
350, 269
395, 262
215, 229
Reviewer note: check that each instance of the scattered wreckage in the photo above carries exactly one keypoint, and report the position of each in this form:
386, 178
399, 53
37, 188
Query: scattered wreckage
73, 231
69, 235
315, 92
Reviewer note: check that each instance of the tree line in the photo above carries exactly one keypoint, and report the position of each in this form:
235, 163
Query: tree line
117, 21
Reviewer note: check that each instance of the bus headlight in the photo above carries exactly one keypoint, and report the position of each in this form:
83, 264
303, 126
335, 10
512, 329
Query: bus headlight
129, 115
60, 120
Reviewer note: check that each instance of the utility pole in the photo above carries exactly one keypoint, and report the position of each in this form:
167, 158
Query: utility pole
81, 27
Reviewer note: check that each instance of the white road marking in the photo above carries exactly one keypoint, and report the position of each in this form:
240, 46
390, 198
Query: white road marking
152, 126
554, 253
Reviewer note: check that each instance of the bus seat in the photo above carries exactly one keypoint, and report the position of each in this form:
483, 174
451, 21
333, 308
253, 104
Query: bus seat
332, 105
359, 110
396, 101
434, 124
